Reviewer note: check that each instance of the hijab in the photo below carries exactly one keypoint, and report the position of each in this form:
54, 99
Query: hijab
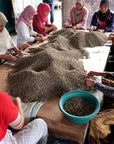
5, 39
104, 16
3, 19
25, 16
77, 15
41, 9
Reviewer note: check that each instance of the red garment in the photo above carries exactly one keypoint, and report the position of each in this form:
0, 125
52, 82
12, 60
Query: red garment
8, 113
39, 26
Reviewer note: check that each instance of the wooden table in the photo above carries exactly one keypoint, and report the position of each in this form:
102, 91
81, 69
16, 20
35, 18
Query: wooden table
58, 125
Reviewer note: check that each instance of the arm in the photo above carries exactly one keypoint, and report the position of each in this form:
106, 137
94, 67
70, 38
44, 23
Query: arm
93, 73
9, 58
107, 90
110, 24
19, 52
81, 25
93, 25
24, 32
37, 24
19, 121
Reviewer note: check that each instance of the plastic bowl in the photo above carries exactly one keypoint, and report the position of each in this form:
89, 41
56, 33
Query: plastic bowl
83, 94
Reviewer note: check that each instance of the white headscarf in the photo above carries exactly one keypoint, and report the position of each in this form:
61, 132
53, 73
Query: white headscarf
5, 39
80, 1
3, 19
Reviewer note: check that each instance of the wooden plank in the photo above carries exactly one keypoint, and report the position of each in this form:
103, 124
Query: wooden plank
58, 125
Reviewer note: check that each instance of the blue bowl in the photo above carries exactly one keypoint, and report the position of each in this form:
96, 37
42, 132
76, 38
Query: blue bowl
83, 94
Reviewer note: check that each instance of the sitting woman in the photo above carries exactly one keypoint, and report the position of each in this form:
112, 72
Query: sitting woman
8, 50
24, 29
103, 20
78, 16
40, 23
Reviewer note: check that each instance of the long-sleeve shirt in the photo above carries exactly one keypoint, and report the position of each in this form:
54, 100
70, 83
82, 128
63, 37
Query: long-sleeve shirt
25, 34
109, 24
40, 26
107, 90
81, 24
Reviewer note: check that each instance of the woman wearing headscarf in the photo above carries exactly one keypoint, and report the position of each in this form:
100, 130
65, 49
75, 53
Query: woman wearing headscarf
40, 23
103, 20
24, 28
78, 16
7, 46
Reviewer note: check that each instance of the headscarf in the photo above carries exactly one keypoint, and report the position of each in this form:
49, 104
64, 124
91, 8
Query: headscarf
41, 9
3, 19
104, 16
104, 2
81, 2
25, 15
77, 15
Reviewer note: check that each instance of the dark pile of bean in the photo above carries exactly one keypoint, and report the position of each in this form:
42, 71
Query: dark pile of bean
78, 106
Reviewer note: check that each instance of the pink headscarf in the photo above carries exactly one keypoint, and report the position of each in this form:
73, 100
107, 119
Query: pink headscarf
25, 15
41, 9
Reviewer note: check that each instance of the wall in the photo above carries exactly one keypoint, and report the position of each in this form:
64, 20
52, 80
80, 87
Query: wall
92, 5
6, 8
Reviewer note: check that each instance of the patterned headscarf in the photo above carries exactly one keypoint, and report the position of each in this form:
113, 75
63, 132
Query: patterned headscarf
25, 15
41, 9
3, 19
81, 2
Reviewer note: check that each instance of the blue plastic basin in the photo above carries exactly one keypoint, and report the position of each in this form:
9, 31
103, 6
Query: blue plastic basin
83, 94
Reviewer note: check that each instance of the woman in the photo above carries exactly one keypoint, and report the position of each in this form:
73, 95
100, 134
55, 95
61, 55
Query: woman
103, 20
7, 46
40, 23
78, 16
11, 114
24, 28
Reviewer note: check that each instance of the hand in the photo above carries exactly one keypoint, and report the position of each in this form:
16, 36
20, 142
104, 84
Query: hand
91, 29
111, 36
17, 101
20, 53
40, 35
41, 39
74, 27
54, 27
10, 58
65, 25
101, 30
89, 82
92, 73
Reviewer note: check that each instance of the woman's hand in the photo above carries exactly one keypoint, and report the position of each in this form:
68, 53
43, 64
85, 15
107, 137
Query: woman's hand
111, 36
20, 53
89, 82
9, 58
93, 73
101, 30
91, 29
41, 39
